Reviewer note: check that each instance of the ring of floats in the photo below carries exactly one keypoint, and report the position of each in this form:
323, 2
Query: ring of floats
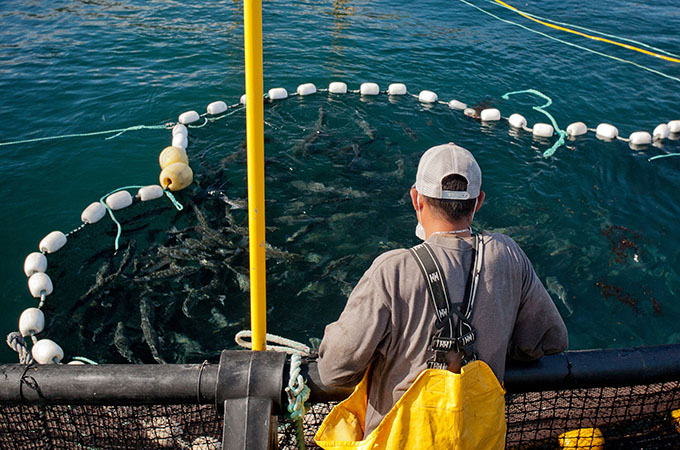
176, 175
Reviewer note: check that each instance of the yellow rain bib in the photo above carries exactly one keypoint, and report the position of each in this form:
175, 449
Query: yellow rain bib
440, 410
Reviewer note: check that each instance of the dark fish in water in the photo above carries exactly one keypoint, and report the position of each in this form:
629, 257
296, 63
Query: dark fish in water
555, 287
236, 203
301, 148
173, 271
122, 344
409, 132
146, 313
299, 232
366, 128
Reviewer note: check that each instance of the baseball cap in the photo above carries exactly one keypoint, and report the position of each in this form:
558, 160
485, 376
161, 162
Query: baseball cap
442, 161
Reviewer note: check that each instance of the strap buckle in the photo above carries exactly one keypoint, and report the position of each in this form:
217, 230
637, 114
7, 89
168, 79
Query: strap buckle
459, 344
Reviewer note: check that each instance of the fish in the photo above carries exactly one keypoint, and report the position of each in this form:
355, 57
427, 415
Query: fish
234, 203
557, 289
409, 132
320, 188
146, 313
307, 141
122, 344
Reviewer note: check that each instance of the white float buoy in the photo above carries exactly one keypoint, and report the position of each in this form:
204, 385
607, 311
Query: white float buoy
217, 107
278, 93
470, 112
151, 192
577, 129
397, 89
517, 121
661, 132
52, 242
490, 115
171, 155
606, 131
93, 213
428, 97
306, 89
455, 104
75, 362
179, 129
674, 126
119, 200
38, 283
640, 138
369, 89
180, 141
543, 130
242, 100
188, 117
337, 87
46, 351
176, 177
31, 321
35, 262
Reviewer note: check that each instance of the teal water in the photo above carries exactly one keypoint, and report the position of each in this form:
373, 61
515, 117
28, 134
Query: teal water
597, 219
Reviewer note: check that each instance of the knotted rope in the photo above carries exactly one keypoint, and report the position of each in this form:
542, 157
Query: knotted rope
16, 342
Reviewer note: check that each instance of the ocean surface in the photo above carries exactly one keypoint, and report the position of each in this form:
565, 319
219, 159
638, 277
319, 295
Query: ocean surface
597, 219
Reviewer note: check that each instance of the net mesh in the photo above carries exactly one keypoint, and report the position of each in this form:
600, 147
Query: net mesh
628, 417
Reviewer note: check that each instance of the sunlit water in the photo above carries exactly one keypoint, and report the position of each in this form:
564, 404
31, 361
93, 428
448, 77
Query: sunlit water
597, 219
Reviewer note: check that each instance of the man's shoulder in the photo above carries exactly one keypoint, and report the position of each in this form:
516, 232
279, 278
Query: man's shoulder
390, 258
499, 239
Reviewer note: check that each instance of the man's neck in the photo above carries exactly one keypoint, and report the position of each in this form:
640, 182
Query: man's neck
460, 228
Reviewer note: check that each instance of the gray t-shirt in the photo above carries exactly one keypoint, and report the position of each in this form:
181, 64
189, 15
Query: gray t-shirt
389, 318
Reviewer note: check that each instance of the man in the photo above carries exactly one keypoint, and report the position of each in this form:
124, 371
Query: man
389, 319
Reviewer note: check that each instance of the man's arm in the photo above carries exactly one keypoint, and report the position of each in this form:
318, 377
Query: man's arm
349, 345
539, 329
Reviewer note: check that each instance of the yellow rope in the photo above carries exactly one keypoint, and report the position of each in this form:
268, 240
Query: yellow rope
569, 30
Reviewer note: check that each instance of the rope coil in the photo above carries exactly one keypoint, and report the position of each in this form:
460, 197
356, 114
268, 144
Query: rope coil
17, 343
284, 345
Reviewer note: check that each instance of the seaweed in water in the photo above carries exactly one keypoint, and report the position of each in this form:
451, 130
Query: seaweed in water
622, 240
608, 290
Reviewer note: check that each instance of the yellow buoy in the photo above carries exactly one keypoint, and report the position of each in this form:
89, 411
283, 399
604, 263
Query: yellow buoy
176, 176
583, 438
171, 155
675, 414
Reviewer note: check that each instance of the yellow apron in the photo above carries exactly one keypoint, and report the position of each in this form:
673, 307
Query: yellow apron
440, 410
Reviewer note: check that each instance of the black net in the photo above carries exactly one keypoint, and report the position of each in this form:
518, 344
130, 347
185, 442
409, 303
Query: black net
110, 427
637, 417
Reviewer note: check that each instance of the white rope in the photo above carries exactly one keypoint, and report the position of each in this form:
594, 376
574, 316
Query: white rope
284, 345
16, 342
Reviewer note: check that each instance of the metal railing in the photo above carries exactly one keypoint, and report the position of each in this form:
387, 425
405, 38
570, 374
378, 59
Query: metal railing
236, 404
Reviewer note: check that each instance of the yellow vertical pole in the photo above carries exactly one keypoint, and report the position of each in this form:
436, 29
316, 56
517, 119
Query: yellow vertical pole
252, 30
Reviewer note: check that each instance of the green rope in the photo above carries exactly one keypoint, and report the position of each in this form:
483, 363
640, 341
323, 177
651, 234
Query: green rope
663, 156
172, 198
96, 133
205, 122
174, 201
83, 359
572, 44
298, 393
563, 134
588, 30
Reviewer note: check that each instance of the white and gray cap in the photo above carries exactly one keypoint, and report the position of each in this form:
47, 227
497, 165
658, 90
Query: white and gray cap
442, 161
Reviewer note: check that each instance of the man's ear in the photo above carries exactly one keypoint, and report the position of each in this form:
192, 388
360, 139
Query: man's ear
414, 200
482, 196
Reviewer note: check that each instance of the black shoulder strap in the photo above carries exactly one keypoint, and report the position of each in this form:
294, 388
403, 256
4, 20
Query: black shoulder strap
453, 339
436, 286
